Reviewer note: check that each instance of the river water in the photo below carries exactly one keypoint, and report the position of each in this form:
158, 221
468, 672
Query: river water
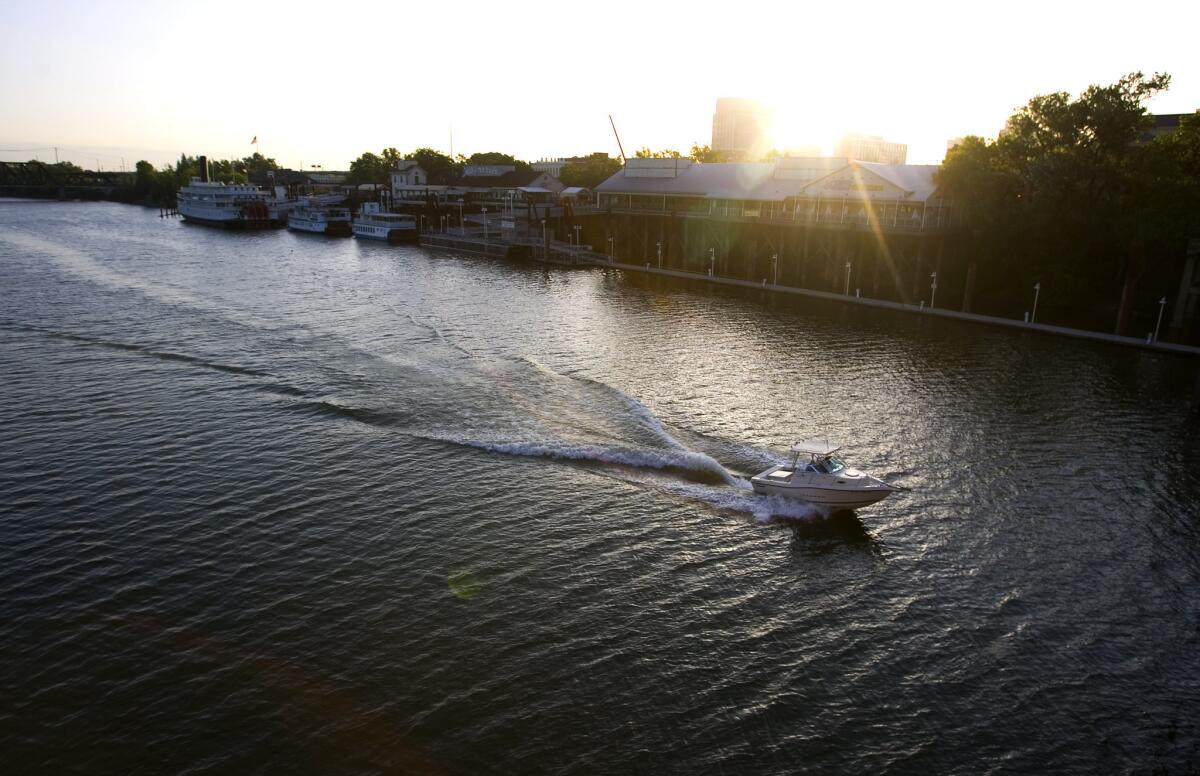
279, 503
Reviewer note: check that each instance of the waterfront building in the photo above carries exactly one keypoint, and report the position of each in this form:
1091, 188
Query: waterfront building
740, 128
409, 171
870, 148
820, 222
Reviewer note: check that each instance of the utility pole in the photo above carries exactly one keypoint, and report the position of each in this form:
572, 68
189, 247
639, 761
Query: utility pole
56, 154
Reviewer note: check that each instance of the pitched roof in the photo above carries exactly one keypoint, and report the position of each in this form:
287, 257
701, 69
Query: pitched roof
768, 181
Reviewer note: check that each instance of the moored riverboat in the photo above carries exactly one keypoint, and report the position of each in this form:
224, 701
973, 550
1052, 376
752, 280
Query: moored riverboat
320, 219
374, 224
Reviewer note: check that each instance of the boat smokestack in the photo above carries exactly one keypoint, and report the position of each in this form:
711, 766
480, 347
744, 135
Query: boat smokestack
203, 162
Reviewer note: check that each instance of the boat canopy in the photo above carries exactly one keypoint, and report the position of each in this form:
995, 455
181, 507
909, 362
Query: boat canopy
812, 447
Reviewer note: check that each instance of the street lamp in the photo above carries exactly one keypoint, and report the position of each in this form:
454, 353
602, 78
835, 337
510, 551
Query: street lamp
577, 240
611, 258
933, 289
846, 290
485, 225
712, 261
658, 247
1037, 290
544, 237
1162, 305
774, 269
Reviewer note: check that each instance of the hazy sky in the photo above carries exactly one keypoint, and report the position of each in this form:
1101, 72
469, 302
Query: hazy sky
319, 83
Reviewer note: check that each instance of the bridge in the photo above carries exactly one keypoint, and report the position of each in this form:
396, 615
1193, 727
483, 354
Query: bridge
49, 181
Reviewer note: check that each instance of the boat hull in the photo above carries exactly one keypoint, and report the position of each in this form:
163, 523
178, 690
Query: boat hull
839, 498
229, 223
368, 232
330, 228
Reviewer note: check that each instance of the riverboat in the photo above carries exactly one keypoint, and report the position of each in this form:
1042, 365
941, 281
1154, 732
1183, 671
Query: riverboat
374, 224
822, 479
320, 219
229, 205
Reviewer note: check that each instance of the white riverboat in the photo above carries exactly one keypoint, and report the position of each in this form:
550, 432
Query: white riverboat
230, 205
374, 224
318, 218
822, 478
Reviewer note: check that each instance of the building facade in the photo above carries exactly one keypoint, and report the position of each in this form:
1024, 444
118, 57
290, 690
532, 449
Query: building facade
871, 148
740, 128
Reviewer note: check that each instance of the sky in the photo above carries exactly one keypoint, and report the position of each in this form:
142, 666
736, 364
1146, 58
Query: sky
318, 84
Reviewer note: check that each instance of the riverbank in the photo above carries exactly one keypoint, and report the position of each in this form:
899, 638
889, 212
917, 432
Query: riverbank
988, 320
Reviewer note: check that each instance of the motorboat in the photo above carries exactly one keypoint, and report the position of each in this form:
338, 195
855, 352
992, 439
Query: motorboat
374, 224
817, 475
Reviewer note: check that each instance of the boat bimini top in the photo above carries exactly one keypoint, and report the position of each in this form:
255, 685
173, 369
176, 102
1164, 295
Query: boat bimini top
811, 447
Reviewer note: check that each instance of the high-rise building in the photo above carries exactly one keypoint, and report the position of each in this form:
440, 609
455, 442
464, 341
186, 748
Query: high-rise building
740, 128
870, 148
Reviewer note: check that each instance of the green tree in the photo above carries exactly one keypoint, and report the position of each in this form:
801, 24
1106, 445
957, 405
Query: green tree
667, 153
369, 168
257, 165
987, 192
497, 158
590, 173
1078, 161
437, 165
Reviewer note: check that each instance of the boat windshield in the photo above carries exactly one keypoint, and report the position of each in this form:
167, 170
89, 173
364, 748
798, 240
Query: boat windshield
833, 464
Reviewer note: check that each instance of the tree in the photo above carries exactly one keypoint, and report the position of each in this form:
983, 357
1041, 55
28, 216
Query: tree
369, 168
590, 173
667, 153
257, 165
986, 192
497, 158
1077, 161
437, 165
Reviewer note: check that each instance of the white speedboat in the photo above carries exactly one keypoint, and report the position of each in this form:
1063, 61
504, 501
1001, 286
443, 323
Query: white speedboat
818, 476
320, 219
374, 224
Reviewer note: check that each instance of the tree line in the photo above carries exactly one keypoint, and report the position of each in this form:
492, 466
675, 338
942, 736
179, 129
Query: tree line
1077, 196
441, 168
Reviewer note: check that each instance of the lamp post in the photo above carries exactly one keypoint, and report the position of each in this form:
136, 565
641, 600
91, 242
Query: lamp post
658, 247
485, 226
544, 243
611, 258
712, 261
577, 240
462, 224
933, 289
774, 269
846, 290
1162, 305
1037, 290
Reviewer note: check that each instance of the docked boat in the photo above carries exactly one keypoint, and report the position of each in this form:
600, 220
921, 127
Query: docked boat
320, 219
231, 205
817, 475
374, 224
